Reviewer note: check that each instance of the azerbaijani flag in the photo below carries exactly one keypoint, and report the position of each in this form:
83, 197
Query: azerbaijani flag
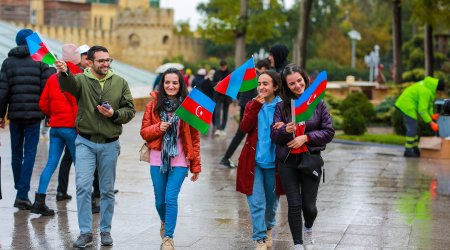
39, 50
240, 80
303, 107
197, 110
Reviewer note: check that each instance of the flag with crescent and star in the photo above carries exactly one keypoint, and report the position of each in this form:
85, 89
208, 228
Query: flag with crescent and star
303, 107
39, 51
240, 80
197, 110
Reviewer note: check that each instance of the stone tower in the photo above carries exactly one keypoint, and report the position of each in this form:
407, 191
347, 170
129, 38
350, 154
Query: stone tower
144, 34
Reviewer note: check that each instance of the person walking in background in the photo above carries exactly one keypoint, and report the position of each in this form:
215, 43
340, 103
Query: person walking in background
222, 101
104, 104
417, 100
174, 148
278, 57
21, 83
199, 78
61, 107
312, 135
243, 99
256, 169
84, 62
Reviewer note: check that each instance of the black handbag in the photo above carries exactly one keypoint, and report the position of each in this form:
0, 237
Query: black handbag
311, 164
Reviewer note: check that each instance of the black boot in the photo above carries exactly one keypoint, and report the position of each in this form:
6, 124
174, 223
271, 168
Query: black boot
416, 151
39, 206
409, 152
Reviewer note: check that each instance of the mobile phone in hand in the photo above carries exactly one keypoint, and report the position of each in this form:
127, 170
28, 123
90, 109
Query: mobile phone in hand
106, 105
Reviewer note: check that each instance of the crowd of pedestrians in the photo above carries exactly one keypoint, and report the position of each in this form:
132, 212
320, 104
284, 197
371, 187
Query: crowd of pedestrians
86, 104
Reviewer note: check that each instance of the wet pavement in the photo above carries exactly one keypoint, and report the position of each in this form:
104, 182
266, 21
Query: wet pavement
373, 198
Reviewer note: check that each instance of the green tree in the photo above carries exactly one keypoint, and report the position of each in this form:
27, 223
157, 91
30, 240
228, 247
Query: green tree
222, 22
183, 28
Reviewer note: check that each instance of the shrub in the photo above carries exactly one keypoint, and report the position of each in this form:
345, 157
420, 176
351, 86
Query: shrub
360, 102
385, 110
354, 123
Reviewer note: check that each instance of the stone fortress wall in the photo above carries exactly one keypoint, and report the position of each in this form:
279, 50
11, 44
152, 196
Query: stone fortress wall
142, 36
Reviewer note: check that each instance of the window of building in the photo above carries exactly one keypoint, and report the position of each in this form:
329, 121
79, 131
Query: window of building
165, 40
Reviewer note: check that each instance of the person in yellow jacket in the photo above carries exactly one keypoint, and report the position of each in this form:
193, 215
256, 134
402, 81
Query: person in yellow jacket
416, 100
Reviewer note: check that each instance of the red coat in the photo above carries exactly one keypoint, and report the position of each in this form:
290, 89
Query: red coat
59, 105
246, 167
190, 137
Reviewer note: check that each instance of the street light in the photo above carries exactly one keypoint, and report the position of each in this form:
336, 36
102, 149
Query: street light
354, 35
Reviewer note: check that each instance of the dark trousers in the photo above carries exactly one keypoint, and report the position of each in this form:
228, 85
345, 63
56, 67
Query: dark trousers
221, 109
237, 139
301, 193
24, 141
64, 171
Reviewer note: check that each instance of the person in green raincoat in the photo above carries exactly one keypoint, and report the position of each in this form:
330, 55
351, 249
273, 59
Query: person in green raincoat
417, 100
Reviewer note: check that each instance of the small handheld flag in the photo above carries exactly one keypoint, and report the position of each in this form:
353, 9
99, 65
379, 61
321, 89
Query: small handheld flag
39, 50
197, 110
303, 107
240, 80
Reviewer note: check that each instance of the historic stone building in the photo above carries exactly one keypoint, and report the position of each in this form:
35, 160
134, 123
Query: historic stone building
137, 32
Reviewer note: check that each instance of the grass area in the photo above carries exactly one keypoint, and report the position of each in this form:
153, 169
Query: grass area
376, 138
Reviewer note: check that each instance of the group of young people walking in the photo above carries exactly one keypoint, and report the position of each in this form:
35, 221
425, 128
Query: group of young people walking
274, 143
87, 108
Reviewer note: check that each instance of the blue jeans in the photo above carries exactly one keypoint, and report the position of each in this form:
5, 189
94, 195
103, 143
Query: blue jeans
167, 187
24, 141
59, 138
89, 156
263, 202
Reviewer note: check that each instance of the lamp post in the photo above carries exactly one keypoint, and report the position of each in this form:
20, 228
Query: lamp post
354, 35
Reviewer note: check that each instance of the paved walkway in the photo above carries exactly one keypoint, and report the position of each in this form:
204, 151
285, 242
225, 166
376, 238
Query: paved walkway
373, 198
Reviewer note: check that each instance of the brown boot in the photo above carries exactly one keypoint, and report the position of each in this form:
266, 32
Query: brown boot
269, 238
162, 230
167, 244
261, 245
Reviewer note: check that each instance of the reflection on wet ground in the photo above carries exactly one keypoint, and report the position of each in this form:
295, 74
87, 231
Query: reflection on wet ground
373, 198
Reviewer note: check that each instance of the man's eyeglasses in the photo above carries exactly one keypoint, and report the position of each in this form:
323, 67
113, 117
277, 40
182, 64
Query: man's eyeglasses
102, 61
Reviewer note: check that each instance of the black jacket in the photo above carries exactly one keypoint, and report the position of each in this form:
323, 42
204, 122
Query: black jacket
22, 81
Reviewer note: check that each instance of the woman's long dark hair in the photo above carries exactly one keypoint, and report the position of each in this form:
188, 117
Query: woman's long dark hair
276, 80
286, 94
182, 93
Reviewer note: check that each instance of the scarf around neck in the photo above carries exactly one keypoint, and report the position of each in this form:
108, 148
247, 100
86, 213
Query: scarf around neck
169, 143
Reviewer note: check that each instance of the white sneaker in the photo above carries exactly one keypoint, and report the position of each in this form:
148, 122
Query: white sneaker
217, 133
308, 241
298, 247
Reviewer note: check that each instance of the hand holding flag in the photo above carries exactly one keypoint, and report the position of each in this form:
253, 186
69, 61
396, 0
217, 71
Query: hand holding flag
39, 51
240, 80
303, 108
197, 110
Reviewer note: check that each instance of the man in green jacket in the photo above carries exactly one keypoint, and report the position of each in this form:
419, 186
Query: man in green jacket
104, 104
416, 100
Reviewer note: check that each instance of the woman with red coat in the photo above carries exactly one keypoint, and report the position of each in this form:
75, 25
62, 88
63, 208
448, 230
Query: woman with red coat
256, 168
174, 149
62, 109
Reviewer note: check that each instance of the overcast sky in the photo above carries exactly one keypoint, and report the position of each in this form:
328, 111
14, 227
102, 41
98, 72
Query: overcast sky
187, 9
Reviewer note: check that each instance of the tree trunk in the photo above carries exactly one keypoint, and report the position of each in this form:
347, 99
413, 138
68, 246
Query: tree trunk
428, 40
240, 34
299, 53
397, 39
